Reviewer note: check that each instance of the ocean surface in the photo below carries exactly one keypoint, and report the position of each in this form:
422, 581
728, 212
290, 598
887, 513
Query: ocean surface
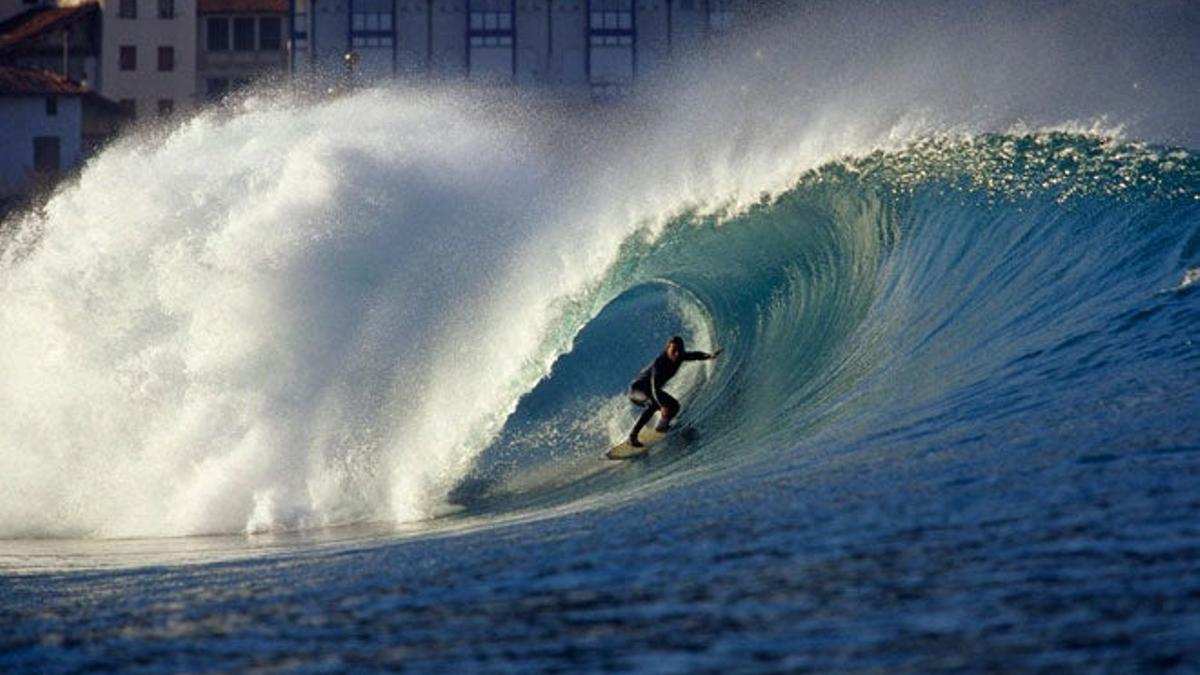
325, 385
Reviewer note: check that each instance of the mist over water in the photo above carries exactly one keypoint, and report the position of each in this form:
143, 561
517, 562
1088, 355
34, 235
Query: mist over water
311, 313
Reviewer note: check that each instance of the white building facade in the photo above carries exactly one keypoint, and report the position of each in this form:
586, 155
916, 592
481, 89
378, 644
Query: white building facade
148, 57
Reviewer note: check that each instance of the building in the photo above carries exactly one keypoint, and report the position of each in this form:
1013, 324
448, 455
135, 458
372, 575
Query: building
239, 42
148, 56
588, 47
42, 133
65, 40
158, 58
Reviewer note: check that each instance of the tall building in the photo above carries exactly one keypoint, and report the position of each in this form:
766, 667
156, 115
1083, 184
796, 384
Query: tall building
588, 47
148, 59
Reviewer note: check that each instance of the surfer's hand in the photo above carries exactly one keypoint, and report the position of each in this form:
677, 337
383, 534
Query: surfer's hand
715, 354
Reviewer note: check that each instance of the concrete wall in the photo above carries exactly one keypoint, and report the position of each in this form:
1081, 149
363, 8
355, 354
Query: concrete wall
411, 38
24, 119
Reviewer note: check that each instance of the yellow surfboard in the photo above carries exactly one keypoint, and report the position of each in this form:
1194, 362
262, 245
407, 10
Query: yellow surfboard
648, 437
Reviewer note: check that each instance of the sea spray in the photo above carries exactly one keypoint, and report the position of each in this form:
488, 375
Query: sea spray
240, 337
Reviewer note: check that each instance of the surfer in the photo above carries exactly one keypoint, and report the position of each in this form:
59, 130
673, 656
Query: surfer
646, 391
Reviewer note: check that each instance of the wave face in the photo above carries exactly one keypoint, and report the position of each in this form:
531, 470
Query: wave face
1005, 293
397, 304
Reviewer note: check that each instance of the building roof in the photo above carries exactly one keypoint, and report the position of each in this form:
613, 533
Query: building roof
23, 82
37, 22
242, 6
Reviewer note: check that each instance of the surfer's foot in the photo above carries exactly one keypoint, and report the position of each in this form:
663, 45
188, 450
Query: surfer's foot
634, 441
663, 428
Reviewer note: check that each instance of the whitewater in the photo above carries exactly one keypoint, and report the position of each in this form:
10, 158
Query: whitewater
358, 358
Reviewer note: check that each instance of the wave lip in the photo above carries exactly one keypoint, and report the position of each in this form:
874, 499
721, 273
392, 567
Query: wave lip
931, 293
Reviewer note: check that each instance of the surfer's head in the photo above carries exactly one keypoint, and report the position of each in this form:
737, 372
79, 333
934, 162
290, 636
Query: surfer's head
674, 348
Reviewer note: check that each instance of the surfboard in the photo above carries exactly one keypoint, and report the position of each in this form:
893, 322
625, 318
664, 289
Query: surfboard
648, 437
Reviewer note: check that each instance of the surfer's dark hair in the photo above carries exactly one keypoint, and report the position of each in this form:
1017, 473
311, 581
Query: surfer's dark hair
676, 340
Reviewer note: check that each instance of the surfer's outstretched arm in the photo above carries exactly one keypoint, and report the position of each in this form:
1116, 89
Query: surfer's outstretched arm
701, 356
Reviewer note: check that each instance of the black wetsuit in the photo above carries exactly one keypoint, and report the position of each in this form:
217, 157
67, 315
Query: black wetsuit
646, 390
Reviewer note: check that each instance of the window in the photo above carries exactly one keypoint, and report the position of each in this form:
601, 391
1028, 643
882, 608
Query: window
127, 9
166, 107
611, 27
371, 23
491, 29
612, 55
166, 9
491, 40
128, 57
491, 21
270, 33
46, 157
215, 88
612, 20
166, 59
51, 106
243, 34
218, 34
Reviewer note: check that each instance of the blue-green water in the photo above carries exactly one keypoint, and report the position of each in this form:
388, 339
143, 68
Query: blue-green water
325, 385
